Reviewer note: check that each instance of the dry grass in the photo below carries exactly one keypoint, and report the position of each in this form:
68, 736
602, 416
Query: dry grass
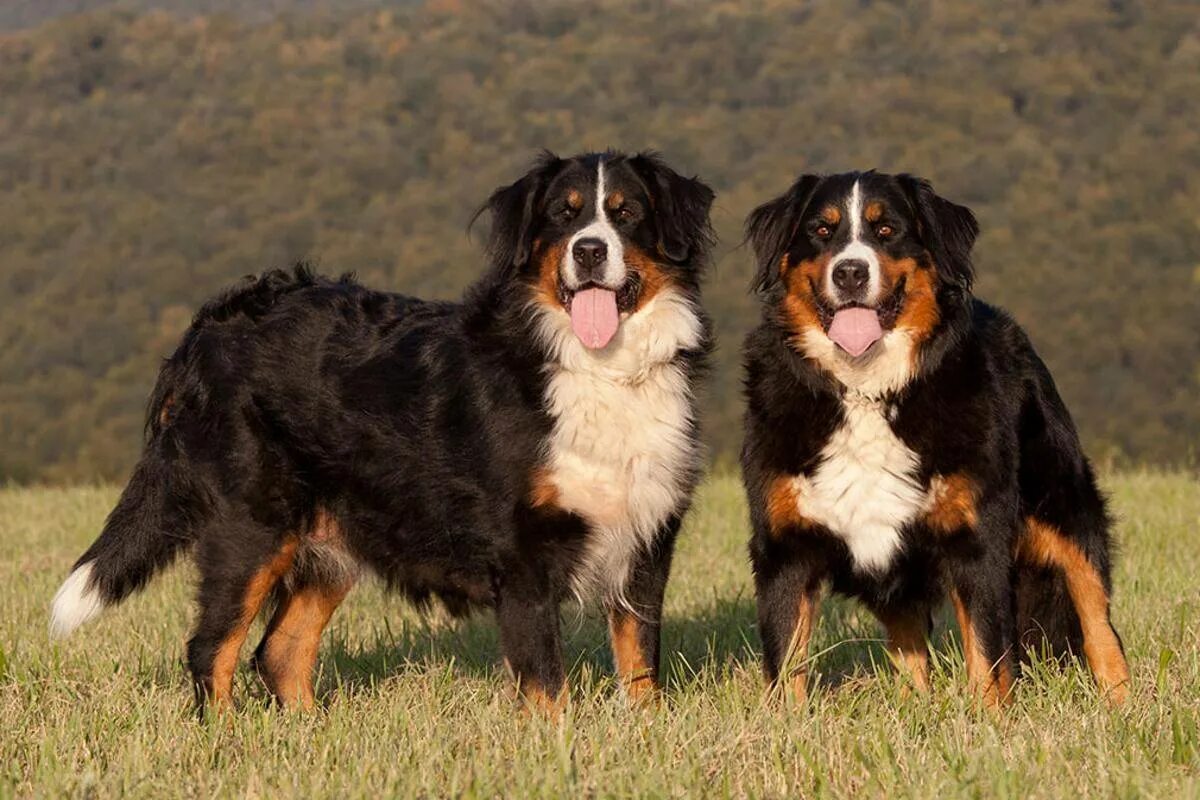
420, 707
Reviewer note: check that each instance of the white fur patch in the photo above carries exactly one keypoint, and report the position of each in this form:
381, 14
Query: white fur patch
621, 451
75, 602
886, 368
858, 250
865, 489
599, 228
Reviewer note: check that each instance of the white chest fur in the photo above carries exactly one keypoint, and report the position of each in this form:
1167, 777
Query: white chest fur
865, 488
621, 452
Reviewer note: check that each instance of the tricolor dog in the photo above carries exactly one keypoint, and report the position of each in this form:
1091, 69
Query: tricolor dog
904, 443
536, 441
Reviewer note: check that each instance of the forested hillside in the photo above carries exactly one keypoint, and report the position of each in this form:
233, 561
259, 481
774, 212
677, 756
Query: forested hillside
148, 158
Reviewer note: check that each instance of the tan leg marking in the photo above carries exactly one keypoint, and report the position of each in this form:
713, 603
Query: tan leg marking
794, 672
992, 685
536, 699
259, 586
907, 646
637, 674
291, 647
1047, 546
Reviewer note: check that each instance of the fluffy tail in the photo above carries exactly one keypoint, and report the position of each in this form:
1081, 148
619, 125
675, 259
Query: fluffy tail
153, 520
139, 539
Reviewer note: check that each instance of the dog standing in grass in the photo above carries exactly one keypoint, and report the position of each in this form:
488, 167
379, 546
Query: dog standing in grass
534, 441
904, 442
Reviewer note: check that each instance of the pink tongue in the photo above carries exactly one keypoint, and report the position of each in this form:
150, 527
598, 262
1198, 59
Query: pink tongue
594, 316
855, 329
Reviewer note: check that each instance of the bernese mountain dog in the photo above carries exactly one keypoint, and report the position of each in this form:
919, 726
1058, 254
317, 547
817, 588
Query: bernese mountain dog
904, 442
535, 441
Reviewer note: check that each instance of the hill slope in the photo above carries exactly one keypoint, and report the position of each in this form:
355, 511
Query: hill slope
148, 159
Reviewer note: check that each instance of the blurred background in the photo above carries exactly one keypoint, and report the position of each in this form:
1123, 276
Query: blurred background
151, 151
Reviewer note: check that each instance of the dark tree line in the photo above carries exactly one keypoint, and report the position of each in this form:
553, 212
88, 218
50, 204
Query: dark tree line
147, 158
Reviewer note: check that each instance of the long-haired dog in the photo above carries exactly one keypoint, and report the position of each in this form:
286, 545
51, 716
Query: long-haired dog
534, 441
904, 442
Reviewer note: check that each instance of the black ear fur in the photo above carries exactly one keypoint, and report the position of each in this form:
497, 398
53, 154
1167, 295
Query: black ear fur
681, 207
771, 227
513, 209
947, 229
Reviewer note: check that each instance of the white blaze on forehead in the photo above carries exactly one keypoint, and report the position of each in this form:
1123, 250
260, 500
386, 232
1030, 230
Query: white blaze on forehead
600, 228
857, 250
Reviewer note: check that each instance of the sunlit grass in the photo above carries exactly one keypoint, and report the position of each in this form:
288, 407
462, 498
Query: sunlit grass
416, 706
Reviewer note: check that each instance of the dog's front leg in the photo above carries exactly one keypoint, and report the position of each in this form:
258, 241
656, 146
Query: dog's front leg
531, 644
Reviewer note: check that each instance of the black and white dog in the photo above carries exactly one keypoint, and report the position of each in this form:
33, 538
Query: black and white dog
905, 442
534, 441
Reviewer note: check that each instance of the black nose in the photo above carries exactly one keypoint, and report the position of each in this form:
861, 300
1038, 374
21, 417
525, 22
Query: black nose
590, 254
851, 276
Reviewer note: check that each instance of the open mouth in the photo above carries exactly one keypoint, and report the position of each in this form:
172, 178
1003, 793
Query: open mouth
854, 327
596, 310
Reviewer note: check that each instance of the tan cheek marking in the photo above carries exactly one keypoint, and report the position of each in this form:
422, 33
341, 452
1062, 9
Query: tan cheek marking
952, 500
920, 314
799, 305
1045, 545
546, 289
654, 277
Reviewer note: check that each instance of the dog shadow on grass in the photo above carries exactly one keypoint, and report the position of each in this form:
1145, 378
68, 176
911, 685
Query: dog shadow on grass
707, 643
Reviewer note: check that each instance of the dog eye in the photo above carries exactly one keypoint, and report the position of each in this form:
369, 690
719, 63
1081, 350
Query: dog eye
884, 231
623, 214
566, 214
823, 232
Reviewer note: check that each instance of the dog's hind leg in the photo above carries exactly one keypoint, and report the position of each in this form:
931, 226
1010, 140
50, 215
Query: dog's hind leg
322, 575
1044, 545
288, 652
233, 588
1067, 533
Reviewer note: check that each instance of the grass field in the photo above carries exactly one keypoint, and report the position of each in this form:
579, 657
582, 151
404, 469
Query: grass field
420, 707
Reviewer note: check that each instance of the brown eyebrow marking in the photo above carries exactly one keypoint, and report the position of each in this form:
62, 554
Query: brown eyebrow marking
575, 199
831, 215
873, 211
615, 200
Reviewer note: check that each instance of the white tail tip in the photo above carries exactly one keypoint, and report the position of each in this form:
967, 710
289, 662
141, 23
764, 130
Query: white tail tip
75, 602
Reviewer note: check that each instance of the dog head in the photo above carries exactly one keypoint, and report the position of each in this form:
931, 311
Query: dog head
862, 266
597, 237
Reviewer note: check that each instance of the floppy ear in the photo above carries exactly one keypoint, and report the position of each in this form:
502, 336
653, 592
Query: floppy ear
771, 226
513, 209
681, 208
947, 229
